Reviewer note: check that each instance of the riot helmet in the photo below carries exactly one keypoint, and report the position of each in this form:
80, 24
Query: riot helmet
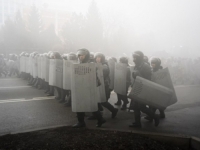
99, 57
138, 57
83, 55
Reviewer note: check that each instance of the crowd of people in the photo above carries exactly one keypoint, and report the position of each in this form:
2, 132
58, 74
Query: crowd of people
9, 65
184, 71
142, 67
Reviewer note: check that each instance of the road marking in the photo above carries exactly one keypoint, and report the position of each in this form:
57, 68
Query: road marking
12, 87
10, 79
185, 86
25, 100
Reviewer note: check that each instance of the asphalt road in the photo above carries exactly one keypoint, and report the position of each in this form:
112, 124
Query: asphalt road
24, 108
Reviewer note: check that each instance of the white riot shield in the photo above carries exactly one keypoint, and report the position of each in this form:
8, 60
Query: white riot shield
47, 66
132, 70
83, 88
120, 78
67, 70
150, 93
52, 72
22, 64
27, 65
39, 67
163, 78
43, 68
111, 65
35, 68
40, 60
59, 73
25, 61
31, 65
101, 89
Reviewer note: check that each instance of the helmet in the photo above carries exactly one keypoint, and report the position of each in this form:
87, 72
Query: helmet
101, 55
85, 52
124, 60
72, 56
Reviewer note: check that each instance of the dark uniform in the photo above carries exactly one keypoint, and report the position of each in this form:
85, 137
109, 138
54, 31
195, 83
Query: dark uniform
143, 70
120, 97
106, 72
156, 65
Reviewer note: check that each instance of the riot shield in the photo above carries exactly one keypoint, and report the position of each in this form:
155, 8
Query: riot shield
163, 78
59, 73
43, 66
47, 66
132, 70
27, 65
150, 93
31, 65
111, 64
83, 88
22, 64
35, 68
101, 89
52, 72
39, 67
120, 78
67, 70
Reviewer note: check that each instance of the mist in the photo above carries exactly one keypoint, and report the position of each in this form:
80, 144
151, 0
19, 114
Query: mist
158, 28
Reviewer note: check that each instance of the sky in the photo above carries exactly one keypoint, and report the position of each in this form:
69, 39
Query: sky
168, 21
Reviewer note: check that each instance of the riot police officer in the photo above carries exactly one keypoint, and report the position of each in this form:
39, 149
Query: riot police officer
156, 65
124, 60
143, 70
84, 57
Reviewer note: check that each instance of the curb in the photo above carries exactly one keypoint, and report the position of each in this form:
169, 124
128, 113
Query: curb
184, 142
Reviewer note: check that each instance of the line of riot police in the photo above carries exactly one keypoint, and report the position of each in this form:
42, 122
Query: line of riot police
9, 65
85, 81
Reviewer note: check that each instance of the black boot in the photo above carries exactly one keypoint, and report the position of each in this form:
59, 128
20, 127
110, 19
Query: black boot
162, 114
51, 92
156, 120
68, 101
63, 95
99, 117
114, 113
100, 122
135, 125
58, 97
79, 125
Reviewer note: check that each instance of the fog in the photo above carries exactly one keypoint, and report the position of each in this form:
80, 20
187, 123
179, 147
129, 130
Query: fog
164, 28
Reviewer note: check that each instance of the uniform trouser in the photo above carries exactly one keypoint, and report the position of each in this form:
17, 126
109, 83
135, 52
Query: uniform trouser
81, 115
138, 108
107, 104
47, 86
64, 93
51, 88
123, 98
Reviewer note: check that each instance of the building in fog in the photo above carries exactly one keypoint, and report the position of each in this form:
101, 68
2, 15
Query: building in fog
8, 8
